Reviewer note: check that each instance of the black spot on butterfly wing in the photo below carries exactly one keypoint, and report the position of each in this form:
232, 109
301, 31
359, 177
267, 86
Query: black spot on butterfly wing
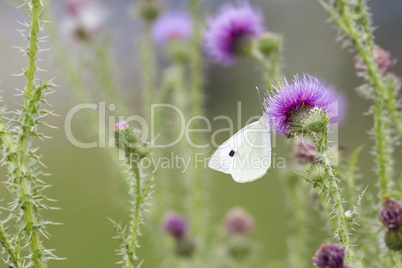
232, 153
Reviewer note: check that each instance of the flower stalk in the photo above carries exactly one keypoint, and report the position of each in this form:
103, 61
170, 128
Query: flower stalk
13, 255
19, 155
362, 39
334, 193
197, 192
148, 64
128, 142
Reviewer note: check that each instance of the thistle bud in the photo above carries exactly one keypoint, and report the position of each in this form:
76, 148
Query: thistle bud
185, 247
122, 125
238, 222
269, 43
129, 140
391, 214
175, 225
149, 10
393, 239
317, 175
239, 247
330, 256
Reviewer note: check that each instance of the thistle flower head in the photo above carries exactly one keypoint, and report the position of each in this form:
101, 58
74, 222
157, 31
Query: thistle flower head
303, 94
130, 141
172, 26
120, 125
85, 18
391, 214
305, 151
330, 256
231, 31
382, 59
175, 225
238, 221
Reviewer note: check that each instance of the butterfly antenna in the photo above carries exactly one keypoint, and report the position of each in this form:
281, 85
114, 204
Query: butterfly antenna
259, 97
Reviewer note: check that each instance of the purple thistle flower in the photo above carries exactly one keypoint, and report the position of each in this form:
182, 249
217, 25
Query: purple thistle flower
391, 213
306, 92
238, 221
172, 26
121, 125
175, 225
330, 256
232, 27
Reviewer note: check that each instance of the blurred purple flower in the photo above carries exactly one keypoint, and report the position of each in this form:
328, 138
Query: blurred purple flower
238, 221
305, 92
232, 27
305, 151
85, 18
382, 59
330, 256
175, 225
391, 213
170, 26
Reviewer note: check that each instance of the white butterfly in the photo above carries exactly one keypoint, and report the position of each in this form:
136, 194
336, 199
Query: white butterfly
246, 155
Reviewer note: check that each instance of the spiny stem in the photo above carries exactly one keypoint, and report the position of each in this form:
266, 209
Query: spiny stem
140, 194
380, 94
19, 162
7, 142
8, 247
335, 195
136, 217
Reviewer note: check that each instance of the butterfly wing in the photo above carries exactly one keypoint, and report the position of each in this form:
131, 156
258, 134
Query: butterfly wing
222, 158
253, 158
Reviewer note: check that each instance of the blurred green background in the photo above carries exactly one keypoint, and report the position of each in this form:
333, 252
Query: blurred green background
83, 181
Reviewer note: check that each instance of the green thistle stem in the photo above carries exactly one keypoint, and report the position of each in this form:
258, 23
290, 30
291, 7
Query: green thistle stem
17, 165
392, 107
365, 49
8, 145
13, 256
197, 194
148, 64
18, 160
270, 66
396, 259
103, 69
297, 194
196, 63
139, 194
335, 195
136, 216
